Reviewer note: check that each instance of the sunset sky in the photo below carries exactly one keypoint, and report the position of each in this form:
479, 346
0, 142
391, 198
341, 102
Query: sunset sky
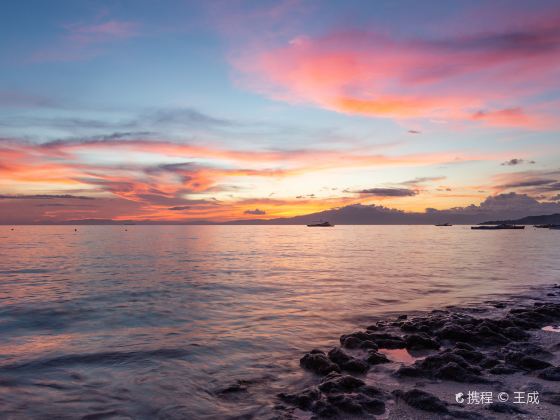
184, 110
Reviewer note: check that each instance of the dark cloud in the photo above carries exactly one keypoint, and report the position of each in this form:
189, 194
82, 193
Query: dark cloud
528, 183
44, 197
516, 161
179, 208
257, 212
186, 117
422, 180
389, 192
414, 132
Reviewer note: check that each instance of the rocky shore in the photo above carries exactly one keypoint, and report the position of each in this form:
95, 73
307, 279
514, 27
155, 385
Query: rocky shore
437, 365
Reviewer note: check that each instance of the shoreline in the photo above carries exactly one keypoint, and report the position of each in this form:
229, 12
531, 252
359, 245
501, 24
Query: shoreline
417, 367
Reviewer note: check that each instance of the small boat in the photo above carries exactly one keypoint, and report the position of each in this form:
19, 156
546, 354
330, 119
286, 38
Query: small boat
320, 224
497, 227
444, 224
547, 226
555, 227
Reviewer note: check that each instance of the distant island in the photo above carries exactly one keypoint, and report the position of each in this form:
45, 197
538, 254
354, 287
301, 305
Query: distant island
553, 219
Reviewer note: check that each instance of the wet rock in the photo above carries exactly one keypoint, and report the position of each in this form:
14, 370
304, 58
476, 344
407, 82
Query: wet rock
346, 362
336, 382
454, 332
464, 346
502, 370
345, 403
375, 358
402, 317
552, 398
439, 360
420, 341
324, 410
551, 373
350, 342
356, 366
453, 372
318, 362
410, 371
505, 408
358, 340
422, 400
303, 399
388, 341
527, 348
471, 356
489, 362
516, 333
371, 405
526, 362
487, 336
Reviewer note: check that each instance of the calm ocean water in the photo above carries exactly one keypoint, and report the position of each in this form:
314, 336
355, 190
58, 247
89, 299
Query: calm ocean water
158, 321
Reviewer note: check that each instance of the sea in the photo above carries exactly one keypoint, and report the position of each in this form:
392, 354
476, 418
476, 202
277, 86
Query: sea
209, 322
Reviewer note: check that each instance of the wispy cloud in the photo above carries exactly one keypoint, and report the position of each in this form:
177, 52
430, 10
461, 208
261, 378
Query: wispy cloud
81, 41
388, 192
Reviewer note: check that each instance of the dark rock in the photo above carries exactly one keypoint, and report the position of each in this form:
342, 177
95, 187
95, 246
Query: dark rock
464, 346
471, 356
527, 348
338, 356
552, 398
551, 373
368, 344
375, 358
402, 317
526, 362
387, 343
487, 336
516, 333
318, 362
303, 399
347, 362
489, 362
336, 382
439, 360
506, 408
502, 370
420, 341
356, 366
454, 332
454, 372
422, 400
345, 403
351, 342
410, 371
324, 410
372, 405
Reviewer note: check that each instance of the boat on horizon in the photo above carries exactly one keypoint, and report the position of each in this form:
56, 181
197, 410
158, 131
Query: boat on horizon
497, 227
545, 226
554, 227
320, 224
444, 224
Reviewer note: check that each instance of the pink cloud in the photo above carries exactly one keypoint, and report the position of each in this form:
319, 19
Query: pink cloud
83, 41
485, 77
